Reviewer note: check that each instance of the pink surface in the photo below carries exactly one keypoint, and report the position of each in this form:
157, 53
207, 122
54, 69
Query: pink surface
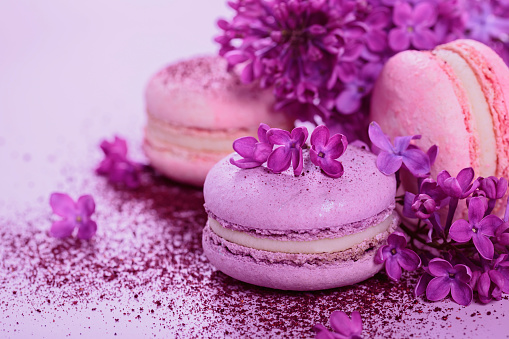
73, 74
260, 200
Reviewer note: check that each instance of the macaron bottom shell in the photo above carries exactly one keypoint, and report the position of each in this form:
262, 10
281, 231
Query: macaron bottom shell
295, 272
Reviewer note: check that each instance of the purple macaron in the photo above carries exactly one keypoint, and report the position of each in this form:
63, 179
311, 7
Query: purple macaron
306, 232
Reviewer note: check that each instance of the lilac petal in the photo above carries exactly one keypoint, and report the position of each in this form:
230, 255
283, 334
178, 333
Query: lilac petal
476, 210
245, 146
392, 268
439, 267
417, 162
247, 75
376, 40
397, 240
62, 229
432, 154
378, 138
382, 254
424, 13
407, 207
489, 224
423, 39
332, 168
409, 260
236, 57
501, 187
62, 204
297, 161
483, 245
348, 101
399, 39
278, 136
461, 293
461, 231
340, 322
463, 273
262, 133
322, 332
442, 176
356, 324
300, 135
86, 205
465, 177
87, 230
261, 152
388, 163
244, 163
320, 136
422, 284
402, 143
402, 14
438, 288
336, 146
279, 160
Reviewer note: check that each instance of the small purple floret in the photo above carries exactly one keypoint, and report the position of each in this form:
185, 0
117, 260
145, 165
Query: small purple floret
290, 152
325, 150
253, 152
391, 158
76, 215
396, 256
448, 279
344, 327
117, 166
478, 228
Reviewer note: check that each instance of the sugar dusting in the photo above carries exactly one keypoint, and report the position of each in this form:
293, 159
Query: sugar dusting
144, 273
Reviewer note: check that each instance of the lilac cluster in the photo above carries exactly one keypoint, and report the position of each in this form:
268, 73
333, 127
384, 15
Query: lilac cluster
119, 169
324, 150
459, 256
343, 326
323, 56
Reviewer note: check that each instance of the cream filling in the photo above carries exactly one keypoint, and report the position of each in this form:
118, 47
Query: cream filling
164, 135
480, 110
306, 247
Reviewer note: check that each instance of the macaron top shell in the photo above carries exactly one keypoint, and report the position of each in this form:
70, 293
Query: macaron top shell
276, 203
201, 93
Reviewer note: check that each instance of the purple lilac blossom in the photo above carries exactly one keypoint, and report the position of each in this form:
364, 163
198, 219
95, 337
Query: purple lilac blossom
310, 52
494, 188
490, 282
117, 166
290, 152
391, 158
396, 256
76, 215
344, 327
325, 149
449, 279
478, 228
253, 152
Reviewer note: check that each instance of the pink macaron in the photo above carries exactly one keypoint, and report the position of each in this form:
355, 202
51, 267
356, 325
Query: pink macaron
456, 97
195, 109
306, 232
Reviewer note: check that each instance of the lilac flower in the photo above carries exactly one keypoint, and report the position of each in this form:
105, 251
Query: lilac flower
324, 150
396, 256
116, 166
344, 327
291, 151
413, 26
391, 157
502, 234
76, 215
349, 100
478, 229
494, 189
491, 282
449, 279
253, 152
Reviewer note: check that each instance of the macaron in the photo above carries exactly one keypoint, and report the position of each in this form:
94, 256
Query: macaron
456, 97
195, 110
306, 232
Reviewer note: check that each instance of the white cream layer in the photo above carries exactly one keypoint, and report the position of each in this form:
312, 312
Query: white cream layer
307, 247
480, 110
164, 135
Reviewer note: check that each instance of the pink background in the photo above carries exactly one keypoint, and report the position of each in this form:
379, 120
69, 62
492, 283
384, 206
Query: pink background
73, 74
